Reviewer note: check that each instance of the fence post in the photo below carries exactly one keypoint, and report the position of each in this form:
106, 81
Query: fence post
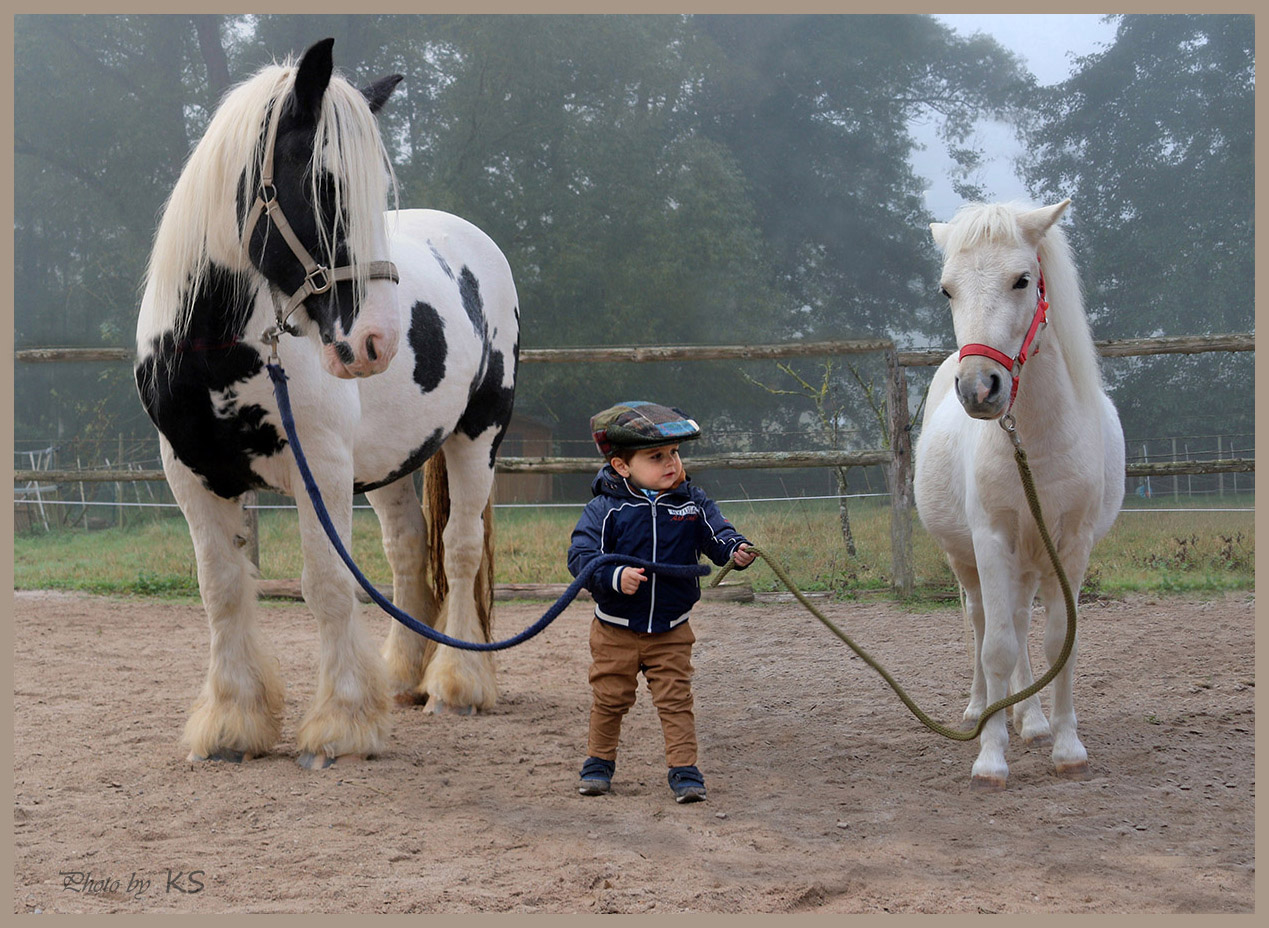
1175, 494
900, 476
119, 487
1220, 478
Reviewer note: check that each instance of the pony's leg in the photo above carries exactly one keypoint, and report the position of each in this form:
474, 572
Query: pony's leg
967, 575
239, 711
456, 679
1028, 716
405, 544
349, 714
997, 572
1070, 759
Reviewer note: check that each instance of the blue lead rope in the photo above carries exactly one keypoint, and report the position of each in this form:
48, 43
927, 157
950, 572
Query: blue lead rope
278, 376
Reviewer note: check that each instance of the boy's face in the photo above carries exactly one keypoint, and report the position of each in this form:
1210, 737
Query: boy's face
652, 468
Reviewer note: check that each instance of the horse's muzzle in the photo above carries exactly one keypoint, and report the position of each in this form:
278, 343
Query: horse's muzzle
369, 353
983, 392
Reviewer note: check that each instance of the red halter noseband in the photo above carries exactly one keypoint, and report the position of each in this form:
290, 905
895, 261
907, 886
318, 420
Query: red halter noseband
1014, 364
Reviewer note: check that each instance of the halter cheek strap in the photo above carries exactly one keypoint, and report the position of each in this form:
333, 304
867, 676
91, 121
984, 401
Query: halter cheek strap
1014, 364
317, 277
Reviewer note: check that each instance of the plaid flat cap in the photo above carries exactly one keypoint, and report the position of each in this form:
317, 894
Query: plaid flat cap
638, 424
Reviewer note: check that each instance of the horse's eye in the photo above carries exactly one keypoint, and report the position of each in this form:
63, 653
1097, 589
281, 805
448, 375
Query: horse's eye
1022, 282
945, 292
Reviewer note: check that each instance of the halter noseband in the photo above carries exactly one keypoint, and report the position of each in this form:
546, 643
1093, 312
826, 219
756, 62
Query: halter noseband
317, 277
1014, 364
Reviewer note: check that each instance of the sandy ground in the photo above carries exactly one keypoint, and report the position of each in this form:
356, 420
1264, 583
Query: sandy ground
825, 795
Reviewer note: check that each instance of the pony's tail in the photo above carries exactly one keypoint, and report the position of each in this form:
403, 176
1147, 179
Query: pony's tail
436, 515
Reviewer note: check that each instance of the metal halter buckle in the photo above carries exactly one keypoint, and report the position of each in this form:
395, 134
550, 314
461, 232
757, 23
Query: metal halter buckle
327, 280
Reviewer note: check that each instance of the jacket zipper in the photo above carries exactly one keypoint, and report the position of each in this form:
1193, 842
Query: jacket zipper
652, 608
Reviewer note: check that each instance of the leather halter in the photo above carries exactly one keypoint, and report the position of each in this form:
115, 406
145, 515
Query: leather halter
1014, 364
317, 277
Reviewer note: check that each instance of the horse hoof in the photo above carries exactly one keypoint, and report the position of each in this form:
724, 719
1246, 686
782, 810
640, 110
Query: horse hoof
1043, 740
224, 755
981, 784
440, 708
410, 698
325, 761
1077, 771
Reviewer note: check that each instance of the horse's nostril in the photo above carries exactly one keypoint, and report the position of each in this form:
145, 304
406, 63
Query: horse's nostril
370, 349
344, 352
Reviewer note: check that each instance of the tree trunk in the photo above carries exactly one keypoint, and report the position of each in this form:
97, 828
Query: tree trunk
213, 50
843, 511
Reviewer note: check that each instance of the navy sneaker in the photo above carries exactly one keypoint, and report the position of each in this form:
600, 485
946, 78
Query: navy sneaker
687, 783
596, 776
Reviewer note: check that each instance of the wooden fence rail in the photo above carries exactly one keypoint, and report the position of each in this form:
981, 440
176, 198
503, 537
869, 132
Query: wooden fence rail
923, 357
775, 460
897, 458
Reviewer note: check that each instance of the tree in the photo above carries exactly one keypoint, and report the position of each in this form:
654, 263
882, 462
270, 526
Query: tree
817, 111
1153, 139
105, 108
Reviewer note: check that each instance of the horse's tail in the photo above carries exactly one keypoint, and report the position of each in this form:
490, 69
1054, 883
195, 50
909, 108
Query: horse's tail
436, 515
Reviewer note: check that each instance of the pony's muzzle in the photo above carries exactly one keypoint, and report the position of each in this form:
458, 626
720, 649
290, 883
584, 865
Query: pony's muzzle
982, 389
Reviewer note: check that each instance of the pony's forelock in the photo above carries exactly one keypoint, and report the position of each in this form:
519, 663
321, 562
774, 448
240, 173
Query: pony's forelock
201, 222
977, 224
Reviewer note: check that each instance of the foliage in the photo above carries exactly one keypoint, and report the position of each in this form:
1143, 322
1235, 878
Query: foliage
668, 179
653, 179
1153, 139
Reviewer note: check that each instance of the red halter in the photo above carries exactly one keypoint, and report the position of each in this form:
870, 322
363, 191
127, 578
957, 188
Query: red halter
1014, 364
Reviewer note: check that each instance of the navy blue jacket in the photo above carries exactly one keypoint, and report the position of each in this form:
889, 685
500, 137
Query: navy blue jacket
676, 528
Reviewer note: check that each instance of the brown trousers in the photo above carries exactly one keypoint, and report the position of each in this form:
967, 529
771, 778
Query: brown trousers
618, 655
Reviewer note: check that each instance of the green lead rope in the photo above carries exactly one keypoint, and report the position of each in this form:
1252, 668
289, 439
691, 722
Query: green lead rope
956, 734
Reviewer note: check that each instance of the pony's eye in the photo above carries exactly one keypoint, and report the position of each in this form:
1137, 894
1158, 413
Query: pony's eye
945, 292
1022, 282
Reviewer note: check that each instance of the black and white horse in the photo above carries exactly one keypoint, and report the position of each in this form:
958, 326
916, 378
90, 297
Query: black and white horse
399, 337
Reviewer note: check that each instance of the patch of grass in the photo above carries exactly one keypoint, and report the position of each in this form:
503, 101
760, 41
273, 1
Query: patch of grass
1159, 551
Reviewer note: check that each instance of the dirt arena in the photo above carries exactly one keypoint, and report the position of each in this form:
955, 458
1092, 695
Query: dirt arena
825, 795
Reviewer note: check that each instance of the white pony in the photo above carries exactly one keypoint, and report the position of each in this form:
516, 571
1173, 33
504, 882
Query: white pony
968, 490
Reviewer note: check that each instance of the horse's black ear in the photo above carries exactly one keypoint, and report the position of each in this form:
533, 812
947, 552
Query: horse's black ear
377, 93
313, 76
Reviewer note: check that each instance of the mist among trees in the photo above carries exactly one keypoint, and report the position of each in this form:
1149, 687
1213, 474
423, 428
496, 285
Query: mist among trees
673, 180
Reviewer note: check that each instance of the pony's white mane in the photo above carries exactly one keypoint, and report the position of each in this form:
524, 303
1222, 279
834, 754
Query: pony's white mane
978, 224
200, 221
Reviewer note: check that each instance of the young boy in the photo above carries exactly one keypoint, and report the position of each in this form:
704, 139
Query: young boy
645, 506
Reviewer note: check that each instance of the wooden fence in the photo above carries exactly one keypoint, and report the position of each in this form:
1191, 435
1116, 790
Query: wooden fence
897, 458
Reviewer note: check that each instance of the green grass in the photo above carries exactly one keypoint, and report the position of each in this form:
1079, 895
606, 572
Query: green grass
1155, 551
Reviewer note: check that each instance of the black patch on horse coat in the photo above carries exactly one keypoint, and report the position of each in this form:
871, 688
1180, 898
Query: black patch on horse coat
176, 383
469, 290
440, 260
427, 339
413, 462
491, 402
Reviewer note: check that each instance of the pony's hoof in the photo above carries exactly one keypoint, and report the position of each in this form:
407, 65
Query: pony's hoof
441, 708
224, 755
1076, 771
981, 784
1042, 740
325, 761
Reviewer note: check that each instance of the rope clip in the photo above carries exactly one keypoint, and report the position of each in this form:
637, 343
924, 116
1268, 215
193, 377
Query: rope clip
1010, 425
270, 337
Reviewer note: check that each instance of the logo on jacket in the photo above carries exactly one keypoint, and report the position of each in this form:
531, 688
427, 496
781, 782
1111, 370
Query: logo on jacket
685, 513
